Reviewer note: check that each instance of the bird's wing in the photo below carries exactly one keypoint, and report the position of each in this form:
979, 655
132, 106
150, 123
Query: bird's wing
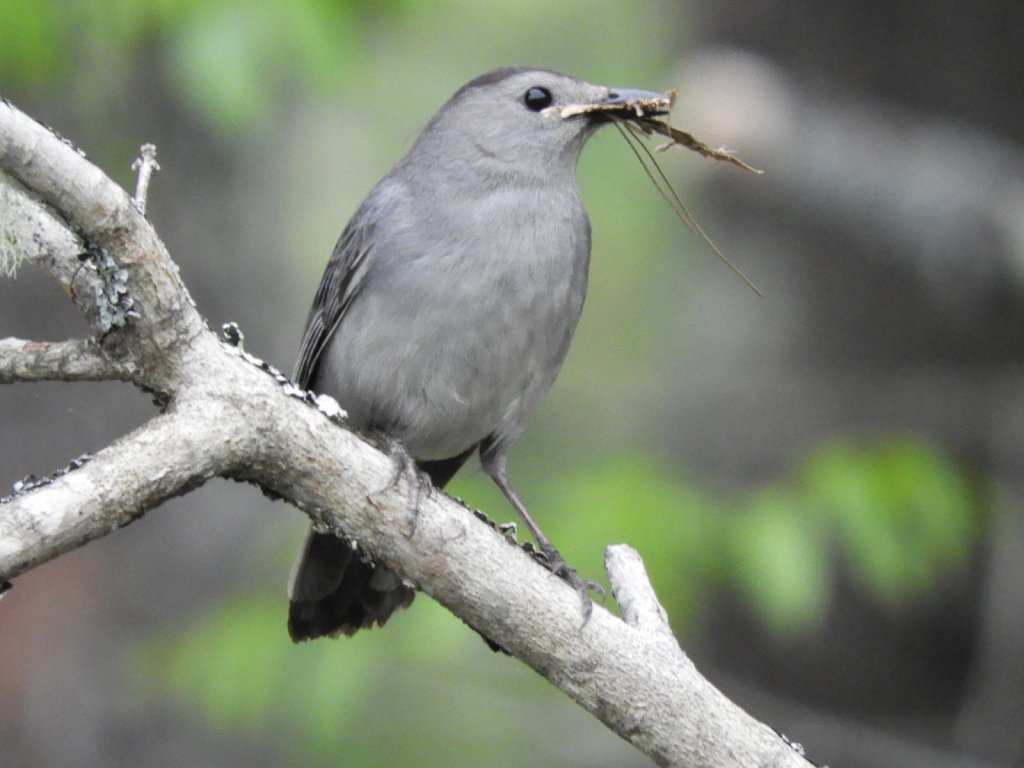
339, 285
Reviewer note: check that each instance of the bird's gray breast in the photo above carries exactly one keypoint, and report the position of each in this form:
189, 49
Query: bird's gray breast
463, 318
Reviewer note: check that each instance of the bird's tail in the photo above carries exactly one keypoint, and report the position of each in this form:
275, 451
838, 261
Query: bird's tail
332, 591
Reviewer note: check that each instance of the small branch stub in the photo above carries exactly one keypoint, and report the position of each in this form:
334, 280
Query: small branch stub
146, 165
632, 590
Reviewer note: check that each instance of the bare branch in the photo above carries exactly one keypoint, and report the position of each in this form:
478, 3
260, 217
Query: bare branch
164, 458
72, 360
637, 681
106, 218
227, 417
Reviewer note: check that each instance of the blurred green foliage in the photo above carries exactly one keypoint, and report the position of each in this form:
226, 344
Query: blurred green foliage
232, 61
236, 60
36, 39
896, 516
902, 515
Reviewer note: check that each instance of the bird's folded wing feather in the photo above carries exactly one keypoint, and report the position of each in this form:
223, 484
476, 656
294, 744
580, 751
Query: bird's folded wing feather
339, 285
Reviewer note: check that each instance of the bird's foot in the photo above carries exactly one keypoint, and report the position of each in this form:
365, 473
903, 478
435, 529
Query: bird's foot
554, 562
404, 466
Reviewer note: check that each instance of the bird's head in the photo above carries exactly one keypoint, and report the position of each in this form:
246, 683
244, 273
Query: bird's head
527, 123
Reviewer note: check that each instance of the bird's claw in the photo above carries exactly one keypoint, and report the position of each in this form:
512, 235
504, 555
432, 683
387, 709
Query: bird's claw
404, 467
555, 563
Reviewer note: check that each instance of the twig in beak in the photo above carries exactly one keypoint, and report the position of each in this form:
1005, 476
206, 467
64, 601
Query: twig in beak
687, 140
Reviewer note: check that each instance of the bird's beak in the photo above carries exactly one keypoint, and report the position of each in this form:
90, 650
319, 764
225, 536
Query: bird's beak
625, 103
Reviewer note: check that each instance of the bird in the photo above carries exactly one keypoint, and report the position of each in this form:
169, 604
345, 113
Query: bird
447, 307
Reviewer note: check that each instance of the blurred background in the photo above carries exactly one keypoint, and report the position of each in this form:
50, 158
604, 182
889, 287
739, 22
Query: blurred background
825, 483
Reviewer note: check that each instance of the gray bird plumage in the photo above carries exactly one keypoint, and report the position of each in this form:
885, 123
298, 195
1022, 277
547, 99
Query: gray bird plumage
448, 306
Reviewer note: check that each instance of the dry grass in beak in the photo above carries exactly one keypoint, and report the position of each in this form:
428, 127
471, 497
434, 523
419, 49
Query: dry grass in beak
644, 121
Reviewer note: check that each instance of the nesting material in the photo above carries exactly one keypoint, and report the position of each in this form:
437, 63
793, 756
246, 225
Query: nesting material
645, 115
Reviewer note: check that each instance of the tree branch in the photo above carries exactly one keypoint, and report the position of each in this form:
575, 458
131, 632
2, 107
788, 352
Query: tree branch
225, 416
72, 360
162, 459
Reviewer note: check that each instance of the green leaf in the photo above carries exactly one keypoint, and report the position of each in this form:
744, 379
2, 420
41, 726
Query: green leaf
35, 42
778, 556
904, 516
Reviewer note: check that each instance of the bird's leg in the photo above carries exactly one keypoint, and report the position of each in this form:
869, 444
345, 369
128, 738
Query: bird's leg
404, 466
552, 557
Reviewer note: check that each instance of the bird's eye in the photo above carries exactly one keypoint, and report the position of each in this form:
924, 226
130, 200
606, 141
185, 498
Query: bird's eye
537, 98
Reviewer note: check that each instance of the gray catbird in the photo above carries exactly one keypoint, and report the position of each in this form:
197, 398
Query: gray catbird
448, 305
